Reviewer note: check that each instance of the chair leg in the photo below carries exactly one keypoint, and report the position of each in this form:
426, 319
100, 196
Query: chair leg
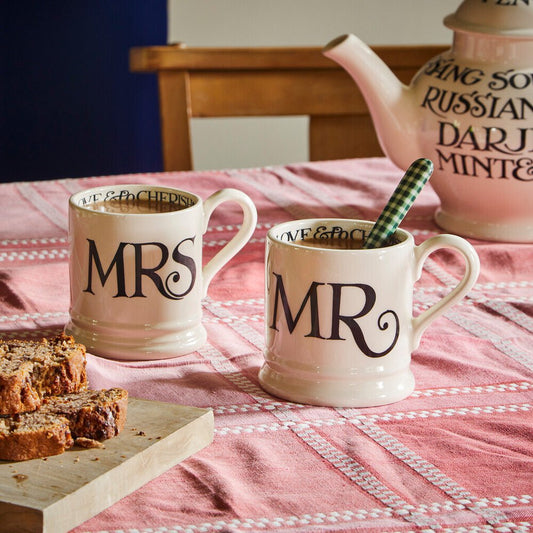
175, 109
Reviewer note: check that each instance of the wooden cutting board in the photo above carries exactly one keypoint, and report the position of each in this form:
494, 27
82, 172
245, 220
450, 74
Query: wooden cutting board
59, 493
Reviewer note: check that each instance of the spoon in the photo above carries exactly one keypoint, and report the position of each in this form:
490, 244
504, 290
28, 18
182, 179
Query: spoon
399, 203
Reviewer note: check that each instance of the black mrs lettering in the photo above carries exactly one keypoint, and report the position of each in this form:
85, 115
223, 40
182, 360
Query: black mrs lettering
164, 284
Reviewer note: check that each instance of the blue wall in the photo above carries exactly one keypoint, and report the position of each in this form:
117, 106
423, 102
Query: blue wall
69, 107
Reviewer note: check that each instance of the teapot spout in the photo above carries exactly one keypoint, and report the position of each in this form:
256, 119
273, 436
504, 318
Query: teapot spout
390, 102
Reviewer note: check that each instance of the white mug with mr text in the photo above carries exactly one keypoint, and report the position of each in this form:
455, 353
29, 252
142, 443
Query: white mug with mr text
339, 324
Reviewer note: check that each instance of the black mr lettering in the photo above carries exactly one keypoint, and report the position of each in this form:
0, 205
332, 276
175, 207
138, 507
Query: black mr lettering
336, 292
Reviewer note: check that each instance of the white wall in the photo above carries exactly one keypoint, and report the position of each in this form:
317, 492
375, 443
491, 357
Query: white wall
250, 142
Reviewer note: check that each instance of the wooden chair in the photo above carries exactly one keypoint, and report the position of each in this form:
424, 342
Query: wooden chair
237, 82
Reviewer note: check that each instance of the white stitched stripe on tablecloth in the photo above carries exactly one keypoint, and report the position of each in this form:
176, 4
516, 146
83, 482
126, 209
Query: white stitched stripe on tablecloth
32, 316
426, 393
27, 190
385, 417
318, 192
428, 471
373, 518
295, 210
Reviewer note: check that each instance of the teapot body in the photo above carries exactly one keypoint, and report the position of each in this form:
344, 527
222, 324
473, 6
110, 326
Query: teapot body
469, 110
475, 122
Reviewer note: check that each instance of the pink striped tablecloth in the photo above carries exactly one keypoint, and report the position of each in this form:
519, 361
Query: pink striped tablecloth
455, 456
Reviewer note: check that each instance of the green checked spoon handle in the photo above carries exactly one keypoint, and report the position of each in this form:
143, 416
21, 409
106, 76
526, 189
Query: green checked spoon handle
399, 203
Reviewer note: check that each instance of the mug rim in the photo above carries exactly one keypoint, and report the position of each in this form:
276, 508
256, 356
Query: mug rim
163, 188
405, 236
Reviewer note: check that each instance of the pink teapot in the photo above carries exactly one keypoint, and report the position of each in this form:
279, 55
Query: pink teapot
469, 110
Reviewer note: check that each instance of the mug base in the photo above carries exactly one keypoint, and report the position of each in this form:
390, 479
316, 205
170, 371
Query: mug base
341, 392
489, 231
138, 346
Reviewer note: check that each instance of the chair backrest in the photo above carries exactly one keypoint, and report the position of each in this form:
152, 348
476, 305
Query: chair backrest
237, 82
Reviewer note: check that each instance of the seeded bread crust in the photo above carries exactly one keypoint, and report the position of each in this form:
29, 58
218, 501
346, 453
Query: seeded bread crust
53, 428
31, 370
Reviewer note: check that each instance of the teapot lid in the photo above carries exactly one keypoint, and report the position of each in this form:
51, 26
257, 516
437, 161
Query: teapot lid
506, 19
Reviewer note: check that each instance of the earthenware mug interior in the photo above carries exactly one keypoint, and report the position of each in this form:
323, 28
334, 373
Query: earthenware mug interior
339, 323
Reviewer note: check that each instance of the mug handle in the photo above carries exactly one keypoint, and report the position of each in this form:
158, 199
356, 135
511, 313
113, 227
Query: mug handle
238, 241
422, 321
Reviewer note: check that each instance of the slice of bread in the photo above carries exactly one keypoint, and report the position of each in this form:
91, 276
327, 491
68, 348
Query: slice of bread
31, 435
31, 370
45, 405
89, 414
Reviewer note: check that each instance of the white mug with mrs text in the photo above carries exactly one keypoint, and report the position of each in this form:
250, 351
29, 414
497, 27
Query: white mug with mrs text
136, 275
